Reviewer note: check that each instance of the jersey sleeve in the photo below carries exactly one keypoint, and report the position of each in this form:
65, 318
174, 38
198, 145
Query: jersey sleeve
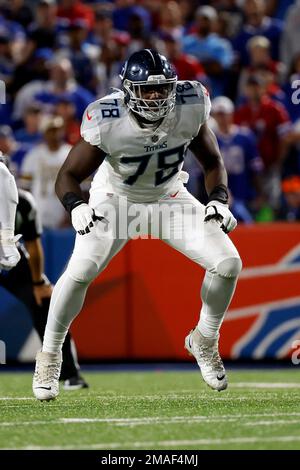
204, 96
194, 95
8, 198
90, 126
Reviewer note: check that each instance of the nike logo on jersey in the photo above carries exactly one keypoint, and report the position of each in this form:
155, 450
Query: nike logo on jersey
88, 116
174, 195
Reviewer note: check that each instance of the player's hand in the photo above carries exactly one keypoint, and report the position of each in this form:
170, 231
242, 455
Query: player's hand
42, 292
215, 210
84, 218
9, 254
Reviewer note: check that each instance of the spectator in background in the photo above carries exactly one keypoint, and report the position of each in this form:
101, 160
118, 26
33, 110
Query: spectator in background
18, 12
213, 52
140, 35
69, 11
242, 160
262, 65
13, 150
230, 17
270, 122
80, 54
108, 68
7, 64
31, 70
291, 89
290, 41
170, 20
187, 66
103, 31
40, 168
292, 161
7, 69
188, 8
30, 134
16, 34
61, 82
66, 110
42, 32
257, 24
291, 199
123, 11
278, 8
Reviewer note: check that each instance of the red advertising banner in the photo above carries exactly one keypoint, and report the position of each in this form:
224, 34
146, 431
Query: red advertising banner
148, 299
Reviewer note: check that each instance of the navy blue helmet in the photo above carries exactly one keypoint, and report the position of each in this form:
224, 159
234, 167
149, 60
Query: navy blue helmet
148, 73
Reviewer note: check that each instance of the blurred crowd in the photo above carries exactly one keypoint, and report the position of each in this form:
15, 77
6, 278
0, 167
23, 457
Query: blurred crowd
56, 56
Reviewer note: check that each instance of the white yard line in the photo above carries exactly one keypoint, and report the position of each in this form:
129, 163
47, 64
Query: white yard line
265, 385
153, 420
171, 443
272, 422
17, 398
168, 395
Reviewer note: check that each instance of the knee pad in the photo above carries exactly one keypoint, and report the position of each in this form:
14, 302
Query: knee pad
229, 267
82, 270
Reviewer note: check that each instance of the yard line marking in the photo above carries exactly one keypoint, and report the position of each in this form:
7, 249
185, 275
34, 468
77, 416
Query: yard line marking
272, 422
171, 443
17, 398
181, 394
265, 385
151, 419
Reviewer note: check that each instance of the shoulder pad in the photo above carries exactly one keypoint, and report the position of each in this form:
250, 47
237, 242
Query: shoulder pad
105, 110
193, 93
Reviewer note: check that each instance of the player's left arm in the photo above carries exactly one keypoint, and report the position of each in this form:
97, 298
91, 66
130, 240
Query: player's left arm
206, 150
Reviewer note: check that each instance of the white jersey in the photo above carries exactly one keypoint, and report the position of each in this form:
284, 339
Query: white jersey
143, 164
42, 165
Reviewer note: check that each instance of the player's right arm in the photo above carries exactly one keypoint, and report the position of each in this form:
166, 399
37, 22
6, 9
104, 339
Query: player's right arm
83, 159
9, 254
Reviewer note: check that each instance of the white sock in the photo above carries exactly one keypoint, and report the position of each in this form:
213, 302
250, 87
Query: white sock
216, 294
66, 302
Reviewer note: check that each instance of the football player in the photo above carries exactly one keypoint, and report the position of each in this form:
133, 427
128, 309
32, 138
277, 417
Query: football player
9, 254
135, 139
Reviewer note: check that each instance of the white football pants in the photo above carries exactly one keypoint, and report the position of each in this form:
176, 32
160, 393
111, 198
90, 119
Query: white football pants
178, 220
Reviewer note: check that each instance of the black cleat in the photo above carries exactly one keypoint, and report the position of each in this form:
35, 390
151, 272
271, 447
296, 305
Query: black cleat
75, 383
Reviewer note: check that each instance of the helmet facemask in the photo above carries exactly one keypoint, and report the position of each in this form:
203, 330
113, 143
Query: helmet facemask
151, 109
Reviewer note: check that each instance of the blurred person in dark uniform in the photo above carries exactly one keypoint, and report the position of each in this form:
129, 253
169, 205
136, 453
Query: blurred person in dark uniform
28, 283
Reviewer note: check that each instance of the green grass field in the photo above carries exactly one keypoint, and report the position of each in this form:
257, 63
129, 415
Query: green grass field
155, 410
